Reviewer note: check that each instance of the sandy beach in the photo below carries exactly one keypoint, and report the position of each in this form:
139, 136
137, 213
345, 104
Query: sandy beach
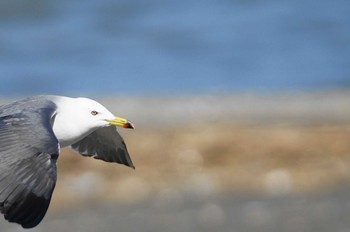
224, 161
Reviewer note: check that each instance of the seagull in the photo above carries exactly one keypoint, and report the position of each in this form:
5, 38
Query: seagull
32, 132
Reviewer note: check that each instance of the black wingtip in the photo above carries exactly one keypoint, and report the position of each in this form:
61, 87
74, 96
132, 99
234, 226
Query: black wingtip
28, 213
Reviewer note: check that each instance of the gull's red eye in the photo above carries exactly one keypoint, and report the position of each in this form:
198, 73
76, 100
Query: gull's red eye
94, 112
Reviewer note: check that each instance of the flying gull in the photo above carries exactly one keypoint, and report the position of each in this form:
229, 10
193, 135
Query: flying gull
32, 131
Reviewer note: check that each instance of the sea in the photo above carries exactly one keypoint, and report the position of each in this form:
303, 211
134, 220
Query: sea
174, 47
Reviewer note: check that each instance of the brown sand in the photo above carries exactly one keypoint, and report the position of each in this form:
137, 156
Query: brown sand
271, 144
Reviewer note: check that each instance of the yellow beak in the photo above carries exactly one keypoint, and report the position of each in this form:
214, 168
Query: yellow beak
121, 122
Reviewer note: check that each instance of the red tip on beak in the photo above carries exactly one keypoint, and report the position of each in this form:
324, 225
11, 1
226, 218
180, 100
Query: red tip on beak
129, 125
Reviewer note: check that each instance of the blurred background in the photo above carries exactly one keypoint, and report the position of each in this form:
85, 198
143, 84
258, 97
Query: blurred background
241, 107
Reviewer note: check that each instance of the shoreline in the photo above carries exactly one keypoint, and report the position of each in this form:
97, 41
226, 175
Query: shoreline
323, 106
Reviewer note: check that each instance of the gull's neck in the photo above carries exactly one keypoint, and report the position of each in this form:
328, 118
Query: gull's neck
67, 125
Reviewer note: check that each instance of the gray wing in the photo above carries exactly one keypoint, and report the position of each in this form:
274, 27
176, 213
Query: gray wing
105, 144
28, 154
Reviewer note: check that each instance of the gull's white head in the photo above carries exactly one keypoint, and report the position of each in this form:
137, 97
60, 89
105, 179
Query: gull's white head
78, 117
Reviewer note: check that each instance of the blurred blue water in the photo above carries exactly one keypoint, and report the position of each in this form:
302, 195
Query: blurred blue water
101, 47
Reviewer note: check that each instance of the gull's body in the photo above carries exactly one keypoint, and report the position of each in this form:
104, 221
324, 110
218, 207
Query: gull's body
32, 131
